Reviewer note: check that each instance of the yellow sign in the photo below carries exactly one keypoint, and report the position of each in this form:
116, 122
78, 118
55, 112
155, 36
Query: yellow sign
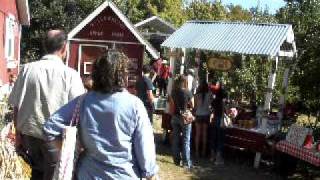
222, 64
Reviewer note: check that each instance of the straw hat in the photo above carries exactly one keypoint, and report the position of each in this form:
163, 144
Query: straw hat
164, 62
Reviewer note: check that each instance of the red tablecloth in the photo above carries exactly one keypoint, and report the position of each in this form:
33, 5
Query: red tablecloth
302, 153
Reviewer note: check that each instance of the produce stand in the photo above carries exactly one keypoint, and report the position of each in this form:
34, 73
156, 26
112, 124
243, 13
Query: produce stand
272, 42
311, 156
250, 139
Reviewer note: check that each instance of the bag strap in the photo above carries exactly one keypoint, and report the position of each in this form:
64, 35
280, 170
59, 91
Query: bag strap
76, 112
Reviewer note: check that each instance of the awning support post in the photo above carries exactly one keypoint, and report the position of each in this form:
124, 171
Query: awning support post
271, 83
183, 60
172, 57
197, 60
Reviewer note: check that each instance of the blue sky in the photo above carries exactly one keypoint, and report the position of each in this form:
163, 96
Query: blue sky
273, 5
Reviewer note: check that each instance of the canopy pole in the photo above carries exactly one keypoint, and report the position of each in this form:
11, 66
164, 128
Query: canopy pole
172, 57
271, 83
183, 60
284, 91
197, 60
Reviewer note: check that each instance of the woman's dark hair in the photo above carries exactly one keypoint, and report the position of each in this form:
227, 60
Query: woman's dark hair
179, 83
203, 89
146, 69
110, 72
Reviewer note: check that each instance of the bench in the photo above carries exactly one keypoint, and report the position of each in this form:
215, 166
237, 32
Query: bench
241, 139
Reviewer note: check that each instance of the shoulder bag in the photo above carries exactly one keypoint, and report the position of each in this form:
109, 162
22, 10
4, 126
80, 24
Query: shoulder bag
65, 166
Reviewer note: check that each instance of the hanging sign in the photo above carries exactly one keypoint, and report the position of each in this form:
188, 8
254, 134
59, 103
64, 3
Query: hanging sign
221, 64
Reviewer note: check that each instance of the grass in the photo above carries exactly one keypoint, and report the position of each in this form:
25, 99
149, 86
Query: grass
238, 165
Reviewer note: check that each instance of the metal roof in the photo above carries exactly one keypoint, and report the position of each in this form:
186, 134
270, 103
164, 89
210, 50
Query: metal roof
231, 37
158, 24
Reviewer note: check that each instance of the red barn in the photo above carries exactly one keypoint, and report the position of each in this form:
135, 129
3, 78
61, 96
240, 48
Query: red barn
13, 14
107, 28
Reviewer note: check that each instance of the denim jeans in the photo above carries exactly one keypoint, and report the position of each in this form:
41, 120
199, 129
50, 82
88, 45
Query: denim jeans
218, 136
43, 157
177, 128
150, 115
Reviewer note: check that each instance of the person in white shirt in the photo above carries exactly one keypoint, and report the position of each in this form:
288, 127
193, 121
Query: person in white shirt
191, 81
42, 87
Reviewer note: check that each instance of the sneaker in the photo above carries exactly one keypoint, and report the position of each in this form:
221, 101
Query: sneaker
187, 169
176, 162
212, 159
219, 160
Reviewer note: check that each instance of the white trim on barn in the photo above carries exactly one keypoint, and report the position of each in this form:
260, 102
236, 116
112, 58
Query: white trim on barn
132, 29
152, 19
24, 13
102, 41
87, 63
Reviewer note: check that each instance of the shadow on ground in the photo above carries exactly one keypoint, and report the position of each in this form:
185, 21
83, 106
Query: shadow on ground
238, 165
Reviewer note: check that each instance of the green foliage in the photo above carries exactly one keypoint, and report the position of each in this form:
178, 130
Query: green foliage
237, 13
49, 15
206, 10
66, 14
262, 16
305, 17
246, 82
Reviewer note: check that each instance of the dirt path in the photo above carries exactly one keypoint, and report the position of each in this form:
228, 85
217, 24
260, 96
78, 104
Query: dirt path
234, 168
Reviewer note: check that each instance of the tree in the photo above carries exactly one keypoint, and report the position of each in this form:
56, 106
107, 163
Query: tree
305, 17
66, 14
262, 16
45, 15
206, 10
171, 10
237, 13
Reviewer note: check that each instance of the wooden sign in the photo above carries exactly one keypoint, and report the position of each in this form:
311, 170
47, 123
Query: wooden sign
176, 54
221, 64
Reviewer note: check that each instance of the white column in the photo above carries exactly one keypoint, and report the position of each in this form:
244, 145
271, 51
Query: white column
284, 91
271, 83
197, 60
257, 160
172, 57
183, 60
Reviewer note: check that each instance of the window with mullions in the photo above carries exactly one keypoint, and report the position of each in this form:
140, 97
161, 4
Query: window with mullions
9, 38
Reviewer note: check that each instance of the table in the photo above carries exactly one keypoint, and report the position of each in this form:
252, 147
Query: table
310, 156
250, 139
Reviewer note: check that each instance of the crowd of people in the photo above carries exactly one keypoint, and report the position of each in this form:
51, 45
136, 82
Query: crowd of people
206, 108
200, 102
115, 130
115, 126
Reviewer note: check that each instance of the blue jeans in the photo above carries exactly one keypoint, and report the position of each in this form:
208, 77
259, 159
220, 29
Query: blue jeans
177, 128
43, 156
218, 136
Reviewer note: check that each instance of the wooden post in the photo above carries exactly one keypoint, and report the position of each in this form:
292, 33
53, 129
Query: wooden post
257, 160
183, 60
271, 83
197, 60
172, 57
284, 91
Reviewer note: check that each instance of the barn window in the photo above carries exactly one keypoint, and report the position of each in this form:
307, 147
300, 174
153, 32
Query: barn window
9, 38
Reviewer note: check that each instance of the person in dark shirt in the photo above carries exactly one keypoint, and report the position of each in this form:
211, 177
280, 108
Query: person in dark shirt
155, 78
218, 98
144, 89
180, 101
